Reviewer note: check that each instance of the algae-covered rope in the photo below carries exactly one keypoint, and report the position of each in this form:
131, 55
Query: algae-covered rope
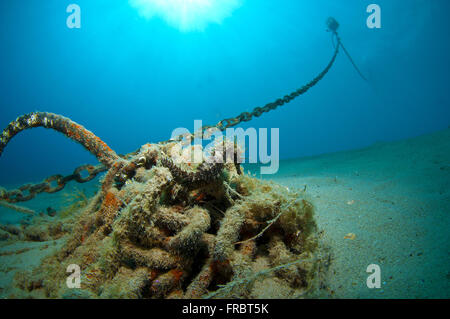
63, 125
70, 129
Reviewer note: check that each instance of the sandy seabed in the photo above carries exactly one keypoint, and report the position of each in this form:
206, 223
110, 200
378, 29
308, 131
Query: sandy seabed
388, 204
395, 199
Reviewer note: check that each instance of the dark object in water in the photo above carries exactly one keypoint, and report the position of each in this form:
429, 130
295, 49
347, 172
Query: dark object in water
332, 24
51, 211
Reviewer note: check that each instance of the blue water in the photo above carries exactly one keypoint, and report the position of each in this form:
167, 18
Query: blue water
132, 80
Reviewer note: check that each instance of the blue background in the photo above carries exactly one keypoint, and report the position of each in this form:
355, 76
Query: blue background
132, 80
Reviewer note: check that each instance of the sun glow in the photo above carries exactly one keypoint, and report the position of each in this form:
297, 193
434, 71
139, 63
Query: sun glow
187, 15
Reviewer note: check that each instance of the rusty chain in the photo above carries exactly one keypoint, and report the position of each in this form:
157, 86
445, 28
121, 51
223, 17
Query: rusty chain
51, 184
258, 111
56, 183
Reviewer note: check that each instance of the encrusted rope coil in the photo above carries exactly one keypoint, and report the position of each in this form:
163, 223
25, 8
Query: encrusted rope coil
205, 172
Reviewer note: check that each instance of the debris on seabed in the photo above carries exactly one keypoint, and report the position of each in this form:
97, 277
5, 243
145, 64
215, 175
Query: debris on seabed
172, 230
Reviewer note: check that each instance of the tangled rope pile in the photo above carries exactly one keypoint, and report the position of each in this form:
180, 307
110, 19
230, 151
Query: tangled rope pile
157, 229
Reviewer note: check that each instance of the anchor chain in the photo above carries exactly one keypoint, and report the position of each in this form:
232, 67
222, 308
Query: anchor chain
106, 155
51, 184
258, 111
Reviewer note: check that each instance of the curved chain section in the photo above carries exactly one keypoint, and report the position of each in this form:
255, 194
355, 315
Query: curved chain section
102, 151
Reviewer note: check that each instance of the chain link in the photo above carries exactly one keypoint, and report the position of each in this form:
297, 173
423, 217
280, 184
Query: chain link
258, 111
51, 184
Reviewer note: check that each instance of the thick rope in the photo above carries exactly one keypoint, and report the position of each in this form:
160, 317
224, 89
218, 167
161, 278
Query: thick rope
334, 34
63, 125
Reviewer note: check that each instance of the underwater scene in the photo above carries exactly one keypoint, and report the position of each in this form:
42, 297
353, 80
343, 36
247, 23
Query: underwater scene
224, 149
